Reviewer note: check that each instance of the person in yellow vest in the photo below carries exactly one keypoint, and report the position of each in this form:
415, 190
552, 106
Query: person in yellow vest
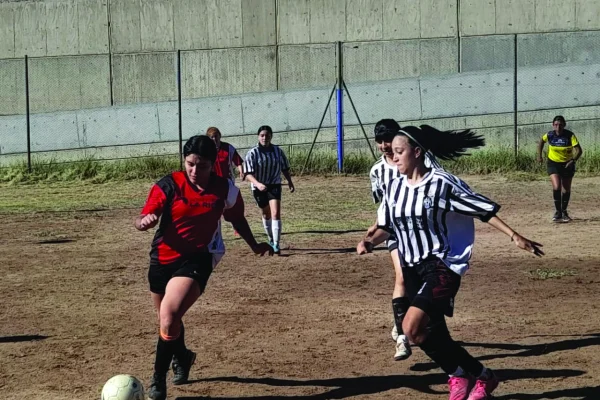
563, 152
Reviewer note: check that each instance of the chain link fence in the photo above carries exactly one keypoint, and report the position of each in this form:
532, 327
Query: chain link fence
122, 106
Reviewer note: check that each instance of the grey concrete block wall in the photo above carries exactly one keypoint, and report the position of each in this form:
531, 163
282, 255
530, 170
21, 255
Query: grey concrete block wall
12, 87
53, 28
69, 83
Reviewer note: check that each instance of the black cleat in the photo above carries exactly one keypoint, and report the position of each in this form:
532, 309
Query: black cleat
181, 368
558, 217
158, 387
565, 216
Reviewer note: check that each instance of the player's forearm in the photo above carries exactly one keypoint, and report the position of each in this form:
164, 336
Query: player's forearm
497, 223
540, 149
287, 175
242, 227
252, 179
378, 237
578, 153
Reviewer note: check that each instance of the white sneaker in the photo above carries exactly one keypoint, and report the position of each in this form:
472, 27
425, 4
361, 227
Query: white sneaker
403, 350
395, 333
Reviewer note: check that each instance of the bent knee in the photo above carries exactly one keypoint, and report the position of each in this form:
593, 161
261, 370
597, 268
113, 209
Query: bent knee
170, 324
413, 332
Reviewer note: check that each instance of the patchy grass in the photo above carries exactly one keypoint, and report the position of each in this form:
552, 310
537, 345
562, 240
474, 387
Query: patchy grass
549, 273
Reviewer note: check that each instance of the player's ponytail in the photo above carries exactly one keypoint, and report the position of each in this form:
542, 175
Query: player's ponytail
445, 145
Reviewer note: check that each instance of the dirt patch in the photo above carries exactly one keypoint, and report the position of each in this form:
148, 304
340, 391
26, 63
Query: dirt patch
312, 324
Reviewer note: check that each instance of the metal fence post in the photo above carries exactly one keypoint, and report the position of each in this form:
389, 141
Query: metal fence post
515, 100
27, 112
179, 109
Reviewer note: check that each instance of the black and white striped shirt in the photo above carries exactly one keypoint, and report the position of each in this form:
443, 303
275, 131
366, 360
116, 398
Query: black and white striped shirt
382, 173
434, 218
266, 164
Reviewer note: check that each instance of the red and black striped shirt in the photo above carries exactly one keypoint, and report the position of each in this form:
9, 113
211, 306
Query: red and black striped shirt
189, 217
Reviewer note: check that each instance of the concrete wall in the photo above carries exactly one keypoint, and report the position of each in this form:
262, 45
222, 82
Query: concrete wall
110, 59
481, 100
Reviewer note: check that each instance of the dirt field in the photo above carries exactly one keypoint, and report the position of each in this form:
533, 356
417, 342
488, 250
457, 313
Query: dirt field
311, 324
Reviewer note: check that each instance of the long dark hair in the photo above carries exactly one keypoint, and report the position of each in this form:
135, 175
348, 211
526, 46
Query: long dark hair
385, 130
202, 146
445, 145
265, 128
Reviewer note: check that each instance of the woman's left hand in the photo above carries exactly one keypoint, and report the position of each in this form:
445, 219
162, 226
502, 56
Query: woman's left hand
291, 186
528, 245
262, 249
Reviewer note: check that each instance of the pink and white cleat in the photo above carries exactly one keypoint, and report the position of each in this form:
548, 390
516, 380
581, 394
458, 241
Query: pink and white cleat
459, 387
483, 389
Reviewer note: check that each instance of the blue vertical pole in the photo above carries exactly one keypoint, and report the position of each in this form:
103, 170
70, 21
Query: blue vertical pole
340, 110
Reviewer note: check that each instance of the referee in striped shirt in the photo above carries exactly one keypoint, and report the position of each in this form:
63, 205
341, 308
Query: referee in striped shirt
431, 213
263, 167
382, 173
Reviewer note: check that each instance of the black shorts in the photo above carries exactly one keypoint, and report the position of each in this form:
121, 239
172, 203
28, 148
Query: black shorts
432, 287
273, 192
560, 169
198, 267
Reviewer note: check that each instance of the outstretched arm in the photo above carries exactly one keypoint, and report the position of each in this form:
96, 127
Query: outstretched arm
235, 215
520, 241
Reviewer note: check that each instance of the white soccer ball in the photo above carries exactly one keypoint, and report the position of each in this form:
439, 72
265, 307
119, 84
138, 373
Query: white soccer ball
122, 387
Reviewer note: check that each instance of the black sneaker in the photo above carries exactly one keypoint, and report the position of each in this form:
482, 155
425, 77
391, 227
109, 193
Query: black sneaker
181, 368
565, 216
558, 217
158, 387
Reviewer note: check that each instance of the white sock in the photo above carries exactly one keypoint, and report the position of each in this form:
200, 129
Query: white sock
459, 372
276, 231
267, 226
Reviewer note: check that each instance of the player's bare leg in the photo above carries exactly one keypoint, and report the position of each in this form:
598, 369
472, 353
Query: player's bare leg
400, 304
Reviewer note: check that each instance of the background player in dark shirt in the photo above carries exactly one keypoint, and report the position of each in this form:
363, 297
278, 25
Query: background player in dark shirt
186, 247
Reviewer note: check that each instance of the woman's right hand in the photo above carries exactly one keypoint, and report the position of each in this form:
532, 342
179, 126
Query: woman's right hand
260, 186
146, 222
364, 247
540, 159
528, 245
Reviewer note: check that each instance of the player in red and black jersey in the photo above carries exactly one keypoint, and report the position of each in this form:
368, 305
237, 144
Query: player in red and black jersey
227, 156
187, 206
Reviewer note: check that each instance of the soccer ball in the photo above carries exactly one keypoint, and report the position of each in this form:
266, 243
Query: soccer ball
122, 387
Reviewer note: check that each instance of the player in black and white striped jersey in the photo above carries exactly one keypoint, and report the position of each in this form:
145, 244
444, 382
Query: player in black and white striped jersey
263, 167
431, 213
382, 172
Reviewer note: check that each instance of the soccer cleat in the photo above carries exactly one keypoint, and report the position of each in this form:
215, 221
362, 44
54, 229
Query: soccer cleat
403, 350
483, 388
276, 249
459, 387
395, 333
181, 369
557, 217
565, 216
158, 387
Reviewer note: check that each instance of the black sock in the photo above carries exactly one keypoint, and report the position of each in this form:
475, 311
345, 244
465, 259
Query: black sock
400, 306
557, 200
566, 196
164, 355
440, 347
